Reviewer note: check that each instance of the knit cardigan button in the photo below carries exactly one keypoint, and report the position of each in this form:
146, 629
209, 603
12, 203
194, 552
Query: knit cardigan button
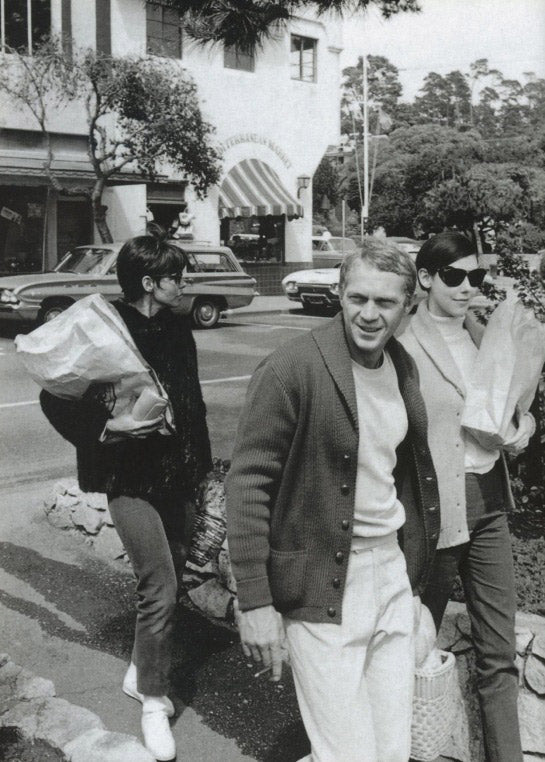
336, 582
331, 612
345, 489
339, 557
345, 524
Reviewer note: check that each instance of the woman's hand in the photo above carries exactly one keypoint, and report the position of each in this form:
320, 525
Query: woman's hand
126, 426
519, 441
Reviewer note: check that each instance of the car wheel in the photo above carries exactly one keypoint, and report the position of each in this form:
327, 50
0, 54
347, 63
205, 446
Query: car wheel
51, 310
206, 313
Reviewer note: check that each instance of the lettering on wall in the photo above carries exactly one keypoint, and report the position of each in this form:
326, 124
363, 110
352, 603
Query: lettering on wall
252, 137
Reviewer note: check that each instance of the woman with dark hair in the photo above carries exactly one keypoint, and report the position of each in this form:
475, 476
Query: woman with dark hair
474, 542
152, 481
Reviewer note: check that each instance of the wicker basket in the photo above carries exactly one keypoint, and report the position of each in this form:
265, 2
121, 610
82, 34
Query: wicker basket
433, 709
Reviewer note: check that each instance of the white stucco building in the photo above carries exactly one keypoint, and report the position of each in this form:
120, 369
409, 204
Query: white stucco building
275, 114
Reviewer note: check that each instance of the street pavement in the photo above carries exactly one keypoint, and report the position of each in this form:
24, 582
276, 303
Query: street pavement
69, 617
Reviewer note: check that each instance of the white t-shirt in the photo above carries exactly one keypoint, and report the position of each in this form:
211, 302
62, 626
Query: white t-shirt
382, 420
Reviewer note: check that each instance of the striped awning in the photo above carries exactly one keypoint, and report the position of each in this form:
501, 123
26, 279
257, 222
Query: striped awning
252, 188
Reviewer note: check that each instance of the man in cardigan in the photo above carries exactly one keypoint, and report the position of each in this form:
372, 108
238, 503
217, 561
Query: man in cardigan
331, 467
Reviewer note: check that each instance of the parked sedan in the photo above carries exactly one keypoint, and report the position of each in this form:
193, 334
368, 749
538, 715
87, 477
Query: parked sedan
215, 282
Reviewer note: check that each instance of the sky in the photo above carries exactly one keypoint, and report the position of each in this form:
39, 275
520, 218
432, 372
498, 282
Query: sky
449, 35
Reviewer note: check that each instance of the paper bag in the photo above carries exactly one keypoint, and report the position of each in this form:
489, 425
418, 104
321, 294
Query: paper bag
89, 344
505, 375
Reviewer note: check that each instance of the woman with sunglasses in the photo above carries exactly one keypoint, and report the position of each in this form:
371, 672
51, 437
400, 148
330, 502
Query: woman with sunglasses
474, 542
151, 480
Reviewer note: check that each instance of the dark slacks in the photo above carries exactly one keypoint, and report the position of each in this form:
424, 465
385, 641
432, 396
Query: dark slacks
156, 541
485, 565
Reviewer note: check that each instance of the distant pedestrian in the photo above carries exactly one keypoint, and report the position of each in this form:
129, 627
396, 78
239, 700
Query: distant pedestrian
330, 464
473, 484
152, 480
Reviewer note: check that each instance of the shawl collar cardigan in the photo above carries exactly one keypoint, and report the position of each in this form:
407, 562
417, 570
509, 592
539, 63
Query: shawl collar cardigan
290, 490
444, 393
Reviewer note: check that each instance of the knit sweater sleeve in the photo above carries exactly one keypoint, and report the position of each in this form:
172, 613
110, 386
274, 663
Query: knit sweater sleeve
264, 438
78, 421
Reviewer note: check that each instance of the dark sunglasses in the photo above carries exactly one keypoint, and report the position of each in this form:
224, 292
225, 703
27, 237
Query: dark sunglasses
455, 276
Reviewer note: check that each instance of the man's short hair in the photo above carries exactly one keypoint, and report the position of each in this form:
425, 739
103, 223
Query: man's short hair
151, 255
383, 256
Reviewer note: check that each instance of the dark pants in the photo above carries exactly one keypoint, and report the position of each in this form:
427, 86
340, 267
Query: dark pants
485, 565
156, 540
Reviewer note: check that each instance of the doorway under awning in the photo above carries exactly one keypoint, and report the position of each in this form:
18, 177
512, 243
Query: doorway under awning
253, 189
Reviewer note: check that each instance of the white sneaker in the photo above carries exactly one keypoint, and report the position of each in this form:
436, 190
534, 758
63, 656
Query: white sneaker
130, 689
158, 738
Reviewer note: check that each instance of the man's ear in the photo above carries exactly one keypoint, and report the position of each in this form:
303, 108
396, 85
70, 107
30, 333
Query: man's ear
148, 284
424, 278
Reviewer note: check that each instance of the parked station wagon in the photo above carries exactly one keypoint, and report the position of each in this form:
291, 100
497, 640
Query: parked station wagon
215, 282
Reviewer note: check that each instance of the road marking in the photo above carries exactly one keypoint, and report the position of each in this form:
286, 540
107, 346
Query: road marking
19, 404
224, 380
5, 405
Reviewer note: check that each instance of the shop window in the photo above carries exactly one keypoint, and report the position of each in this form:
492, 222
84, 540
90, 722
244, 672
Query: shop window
24, 23
234, 58
303, 58
22, 218
163, 31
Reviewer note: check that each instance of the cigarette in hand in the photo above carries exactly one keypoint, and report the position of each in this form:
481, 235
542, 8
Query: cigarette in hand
262, 671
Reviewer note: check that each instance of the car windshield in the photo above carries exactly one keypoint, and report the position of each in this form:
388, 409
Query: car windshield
342, 244
84, 261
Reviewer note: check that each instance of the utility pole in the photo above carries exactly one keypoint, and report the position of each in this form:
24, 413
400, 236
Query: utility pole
365, 206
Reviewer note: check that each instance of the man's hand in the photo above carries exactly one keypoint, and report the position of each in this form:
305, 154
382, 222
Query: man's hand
261, 634
519, 440
126, 426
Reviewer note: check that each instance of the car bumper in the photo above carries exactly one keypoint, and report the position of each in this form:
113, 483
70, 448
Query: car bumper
18, 313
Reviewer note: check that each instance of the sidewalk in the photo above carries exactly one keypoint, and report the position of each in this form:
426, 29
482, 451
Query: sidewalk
68, 617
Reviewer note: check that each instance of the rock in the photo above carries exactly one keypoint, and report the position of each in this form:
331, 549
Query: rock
9, 671
457, 746
102, 746
29, 687
73, 489
107, 543
461, 645
64, 485
67, 501
448, 634
61, 518
531, 710
50, 501
211, 598
519, 664
534, 673
538, 645
96, 500
107, 517
524, 638
225, 571
86, 517
463, 624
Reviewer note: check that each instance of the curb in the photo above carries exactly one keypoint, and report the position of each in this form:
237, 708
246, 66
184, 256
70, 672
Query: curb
30, 709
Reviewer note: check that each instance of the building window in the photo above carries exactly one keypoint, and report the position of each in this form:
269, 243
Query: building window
163, 31
303, 58
24, 23
234, 58
103, 28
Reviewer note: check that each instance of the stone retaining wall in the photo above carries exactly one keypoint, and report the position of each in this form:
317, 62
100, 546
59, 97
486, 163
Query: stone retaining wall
210, 586
28, 705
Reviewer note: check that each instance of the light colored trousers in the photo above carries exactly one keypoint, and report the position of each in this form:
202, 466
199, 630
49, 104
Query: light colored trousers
354, 681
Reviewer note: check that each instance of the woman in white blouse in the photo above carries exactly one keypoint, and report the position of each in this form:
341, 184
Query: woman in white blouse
443, 338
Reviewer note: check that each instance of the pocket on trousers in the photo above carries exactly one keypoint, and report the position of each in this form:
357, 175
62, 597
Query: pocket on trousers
287, 577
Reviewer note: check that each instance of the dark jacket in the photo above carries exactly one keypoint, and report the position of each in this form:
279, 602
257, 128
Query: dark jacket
290, 490
158, 468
